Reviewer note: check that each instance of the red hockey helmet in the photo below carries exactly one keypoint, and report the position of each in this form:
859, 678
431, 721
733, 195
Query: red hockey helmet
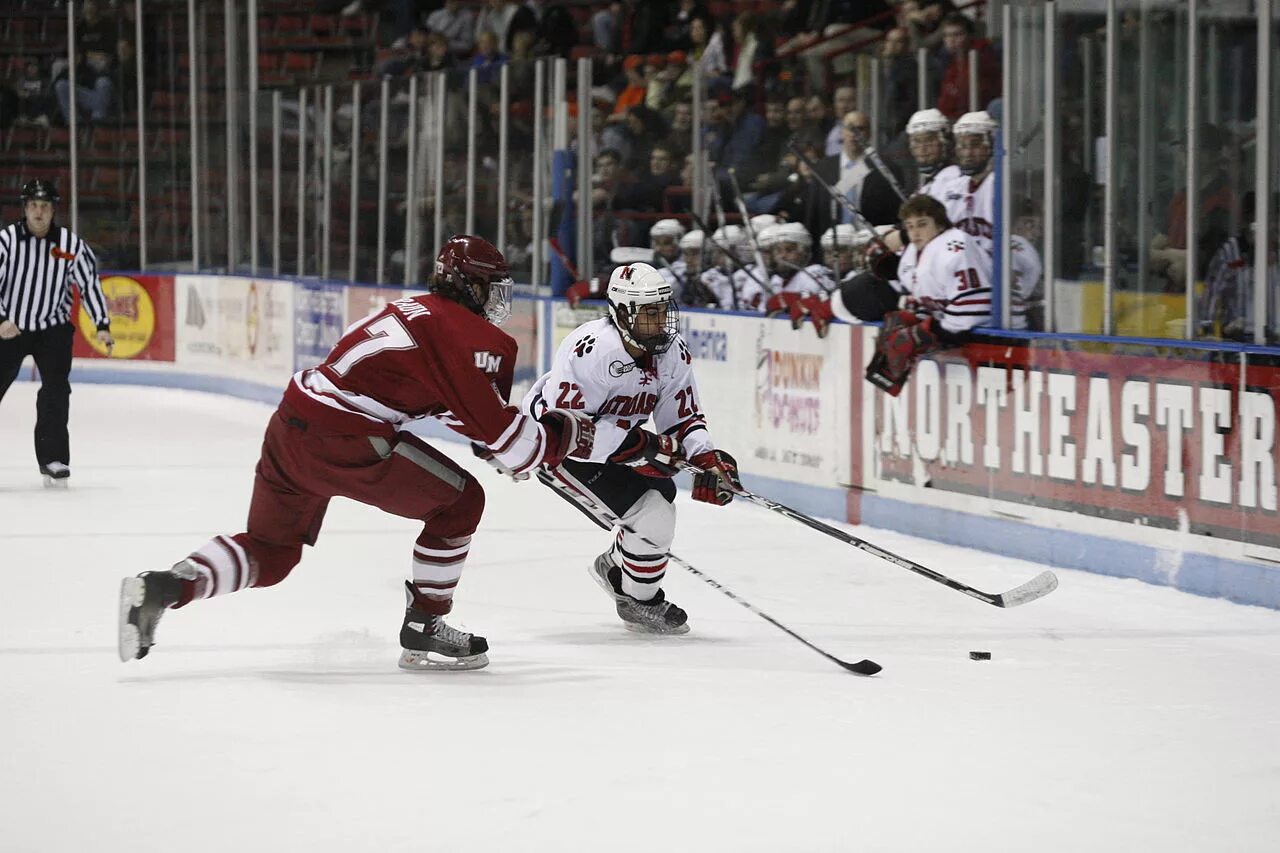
471, 271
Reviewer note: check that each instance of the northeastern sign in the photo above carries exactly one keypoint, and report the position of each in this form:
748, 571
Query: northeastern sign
1172, 437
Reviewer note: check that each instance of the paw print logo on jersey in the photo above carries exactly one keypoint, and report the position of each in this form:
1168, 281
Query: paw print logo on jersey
685, 355
955, 246
584, 346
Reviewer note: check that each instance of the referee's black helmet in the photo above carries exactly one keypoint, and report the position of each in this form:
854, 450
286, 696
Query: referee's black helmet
39, 189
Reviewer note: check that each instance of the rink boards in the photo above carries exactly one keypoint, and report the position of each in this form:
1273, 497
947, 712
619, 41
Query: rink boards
1153, 461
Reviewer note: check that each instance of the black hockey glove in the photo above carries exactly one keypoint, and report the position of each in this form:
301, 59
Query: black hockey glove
718, 482
649, 454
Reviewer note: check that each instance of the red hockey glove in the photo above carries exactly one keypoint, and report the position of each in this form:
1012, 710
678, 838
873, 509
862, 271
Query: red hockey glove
649, 454
904, 338
819, 311
571, 434
579, 291
780, 303
719, 481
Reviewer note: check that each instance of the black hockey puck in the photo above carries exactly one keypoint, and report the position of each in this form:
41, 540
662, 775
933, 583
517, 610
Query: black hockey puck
979, 655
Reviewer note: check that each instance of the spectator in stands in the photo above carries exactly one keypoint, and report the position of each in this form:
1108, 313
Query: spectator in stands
505, 18
680, 19
404, 16
844, 100
36, 103
734, 137
422, 52
96, 38
923, 20
852, 174
899, 81
643, 23
679, 139
747, 49
635, 90
488, 60
606, 30
707, 48
957, 41
818, 112
646, 192
776, 134
803, 199
797, 117
557, 32
662, 71
457, 23
645, 128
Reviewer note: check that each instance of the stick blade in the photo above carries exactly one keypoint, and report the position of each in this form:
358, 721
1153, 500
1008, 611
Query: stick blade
1038, 587
862, 667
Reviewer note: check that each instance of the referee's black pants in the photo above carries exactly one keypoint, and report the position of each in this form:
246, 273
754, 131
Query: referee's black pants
51, 349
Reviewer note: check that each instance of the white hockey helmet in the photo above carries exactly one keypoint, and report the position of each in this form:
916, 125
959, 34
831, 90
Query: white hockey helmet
633, 289
761, 221
732, 239
666, 228
843, 236
692, 241
793, 232
927, 121
979, 122
767, 236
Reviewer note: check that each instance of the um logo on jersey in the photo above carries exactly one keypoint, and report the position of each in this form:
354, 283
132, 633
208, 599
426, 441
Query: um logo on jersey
488, 362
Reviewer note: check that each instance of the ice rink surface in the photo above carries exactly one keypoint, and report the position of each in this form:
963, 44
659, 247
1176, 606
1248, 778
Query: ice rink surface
1113, 716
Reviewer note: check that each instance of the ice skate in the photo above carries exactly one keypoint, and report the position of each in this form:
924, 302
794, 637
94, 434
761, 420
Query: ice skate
143, 599
655, 616
428, 644
57, 475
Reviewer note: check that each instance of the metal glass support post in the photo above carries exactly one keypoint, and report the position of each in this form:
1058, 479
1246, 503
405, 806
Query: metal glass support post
326, 215
1050, 254
231, 131
473, 83
302, 181
140, 106
922, 79
1086, 122
503, 109
1004, 287
354, 161
384, 119
411, 187
1146, 146
699, 198
73, 117
1192, 153
585, 156
876, 80
442, 95
252, 24
973, 79
193, 94
276, 132
1262, 176
1109, 192
539, 156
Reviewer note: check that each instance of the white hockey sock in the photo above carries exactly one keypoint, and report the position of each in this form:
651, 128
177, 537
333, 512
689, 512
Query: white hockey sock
221, 566
437, 566
642, 574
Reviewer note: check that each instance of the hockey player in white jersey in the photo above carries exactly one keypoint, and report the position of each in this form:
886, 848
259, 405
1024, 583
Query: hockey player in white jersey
795, 277
729, 281
970, 196
947, 281
928, 136
664, 239
621, 370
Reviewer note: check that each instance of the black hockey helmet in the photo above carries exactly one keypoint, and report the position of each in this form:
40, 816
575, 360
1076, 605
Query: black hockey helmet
38, 189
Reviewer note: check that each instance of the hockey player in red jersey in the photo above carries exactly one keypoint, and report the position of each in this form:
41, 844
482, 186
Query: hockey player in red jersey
337, 433
620, 370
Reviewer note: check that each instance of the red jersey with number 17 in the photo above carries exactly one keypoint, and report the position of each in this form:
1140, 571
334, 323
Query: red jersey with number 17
421, 356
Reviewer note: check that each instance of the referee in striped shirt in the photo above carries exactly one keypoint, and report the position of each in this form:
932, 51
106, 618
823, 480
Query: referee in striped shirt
39, 261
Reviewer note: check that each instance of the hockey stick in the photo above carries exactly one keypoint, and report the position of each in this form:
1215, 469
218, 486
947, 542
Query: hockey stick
1038, 587
564, 259
746, 221
607, 520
